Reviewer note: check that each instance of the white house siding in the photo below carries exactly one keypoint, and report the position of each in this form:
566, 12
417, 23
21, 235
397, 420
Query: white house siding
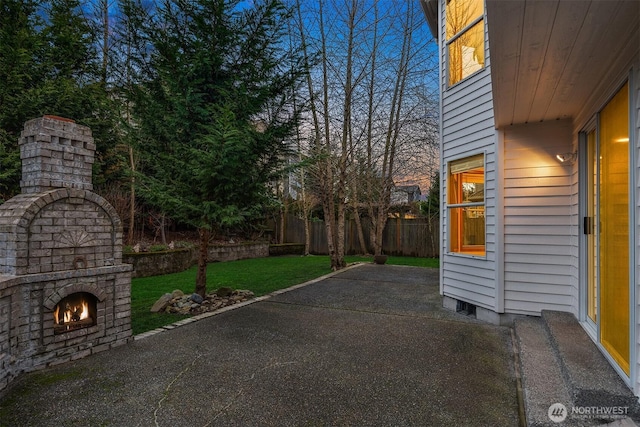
467, 129
540, 228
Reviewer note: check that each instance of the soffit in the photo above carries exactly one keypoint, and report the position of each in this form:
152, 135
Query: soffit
551, 59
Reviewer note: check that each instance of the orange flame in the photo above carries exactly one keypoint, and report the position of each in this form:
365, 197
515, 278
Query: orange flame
73, 313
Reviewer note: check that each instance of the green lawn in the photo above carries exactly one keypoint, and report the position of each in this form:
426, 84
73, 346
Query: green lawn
260, 275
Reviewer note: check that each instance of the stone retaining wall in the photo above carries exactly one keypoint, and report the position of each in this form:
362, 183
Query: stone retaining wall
240, 251
286, 249
147, 264
156, 263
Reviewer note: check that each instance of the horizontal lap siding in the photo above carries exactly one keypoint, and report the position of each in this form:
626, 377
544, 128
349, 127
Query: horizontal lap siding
540, 222
468, 129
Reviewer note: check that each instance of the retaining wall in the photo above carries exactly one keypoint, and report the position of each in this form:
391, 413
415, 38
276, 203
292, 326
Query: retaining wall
147, 264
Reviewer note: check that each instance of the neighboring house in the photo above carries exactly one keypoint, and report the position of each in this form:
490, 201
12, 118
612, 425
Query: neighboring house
288, 186
404, 194
540, 155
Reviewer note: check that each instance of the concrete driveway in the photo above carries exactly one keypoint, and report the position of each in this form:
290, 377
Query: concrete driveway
370, 346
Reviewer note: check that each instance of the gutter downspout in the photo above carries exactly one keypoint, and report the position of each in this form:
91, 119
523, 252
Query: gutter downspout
432, 17
499, 218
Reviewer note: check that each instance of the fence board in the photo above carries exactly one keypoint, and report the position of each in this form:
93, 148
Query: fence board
402, 237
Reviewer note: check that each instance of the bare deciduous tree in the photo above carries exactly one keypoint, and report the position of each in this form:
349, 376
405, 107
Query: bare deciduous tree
373, 61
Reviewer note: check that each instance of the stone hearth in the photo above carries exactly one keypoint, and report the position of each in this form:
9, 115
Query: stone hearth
60, 243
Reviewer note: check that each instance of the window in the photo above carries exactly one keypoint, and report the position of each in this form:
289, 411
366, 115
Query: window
465, 206
464, 38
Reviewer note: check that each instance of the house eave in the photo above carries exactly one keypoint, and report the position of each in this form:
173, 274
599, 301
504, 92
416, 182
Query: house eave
430, 9
552, 60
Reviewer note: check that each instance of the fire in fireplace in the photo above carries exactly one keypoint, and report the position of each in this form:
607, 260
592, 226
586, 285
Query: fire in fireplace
75, 311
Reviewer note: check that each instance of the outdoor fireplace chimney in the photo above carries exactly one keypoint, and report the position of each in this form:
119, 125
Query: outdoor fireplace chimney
56, 153
60, 249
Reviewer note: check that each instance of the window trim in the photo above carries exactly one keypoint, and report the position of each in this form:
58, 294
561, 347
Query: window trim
465, 29
450, 206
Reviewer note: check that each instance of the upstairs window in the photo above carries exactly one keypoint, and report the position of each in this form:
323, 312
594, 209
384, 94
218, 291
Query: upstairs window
465, 206
464, 38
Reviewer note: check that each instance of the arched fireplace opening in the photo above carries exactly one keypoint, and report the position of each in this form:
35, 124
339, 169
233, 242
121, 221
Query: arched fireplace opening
75, 311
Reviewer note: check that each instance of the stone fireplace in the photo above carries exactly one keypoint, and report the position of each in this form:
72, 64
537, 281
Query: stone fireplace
64, 291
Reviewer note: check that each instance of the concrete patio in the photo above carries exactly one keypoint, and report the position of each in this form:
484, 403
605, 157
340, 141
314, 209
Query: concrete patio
368, 346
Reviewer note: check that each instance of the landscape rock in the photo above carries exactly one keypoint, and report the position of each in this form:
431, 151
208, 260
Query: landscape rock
194, 304
162, 303
177, 293
224, 292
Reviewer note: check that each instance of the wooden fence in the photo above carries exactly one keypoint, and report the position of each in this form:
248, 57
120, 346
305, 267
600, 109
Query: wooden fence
404, 237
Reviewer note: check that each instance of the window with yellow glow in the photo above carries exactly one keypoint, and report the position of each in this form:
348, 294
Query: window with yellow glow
464, 38
465, 206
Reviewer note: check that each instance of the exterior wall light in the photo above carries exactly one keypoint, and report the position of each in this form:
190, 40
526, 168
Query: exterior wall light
566, 158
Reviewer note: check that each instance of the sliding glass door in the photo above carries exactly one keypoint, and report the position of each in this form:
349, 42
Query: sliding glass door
606, 225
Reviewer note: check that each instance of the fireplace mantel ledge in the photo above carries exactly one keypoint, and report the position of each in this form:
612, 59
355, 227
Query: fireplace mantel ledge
7, 281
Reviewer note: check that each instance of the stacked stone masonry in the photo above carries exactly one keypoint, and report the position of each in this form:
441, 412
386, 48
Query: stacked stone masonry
55, 153
59, 230
58, 239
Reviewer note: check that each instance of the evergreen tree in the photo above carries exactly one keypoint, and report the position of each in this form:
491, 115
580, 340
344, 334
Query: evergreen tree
48, 65
69, 52
213, 110
431, 207
73, 85
18, 42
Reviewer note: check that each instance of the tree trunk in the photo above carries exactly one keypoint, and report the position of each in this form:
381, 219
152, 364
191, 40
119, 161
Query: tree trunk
132, 200
282, 225
307, 234
340, 262
201, 277
163, 236
329, 206
363, 245
434, 235
104, 5
381, 221
391, 137
329, 223
341, 191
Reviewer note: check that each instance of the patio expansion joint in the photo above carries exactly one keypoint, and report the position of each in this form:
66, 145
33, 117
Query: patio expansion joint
382, 313
376, 282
